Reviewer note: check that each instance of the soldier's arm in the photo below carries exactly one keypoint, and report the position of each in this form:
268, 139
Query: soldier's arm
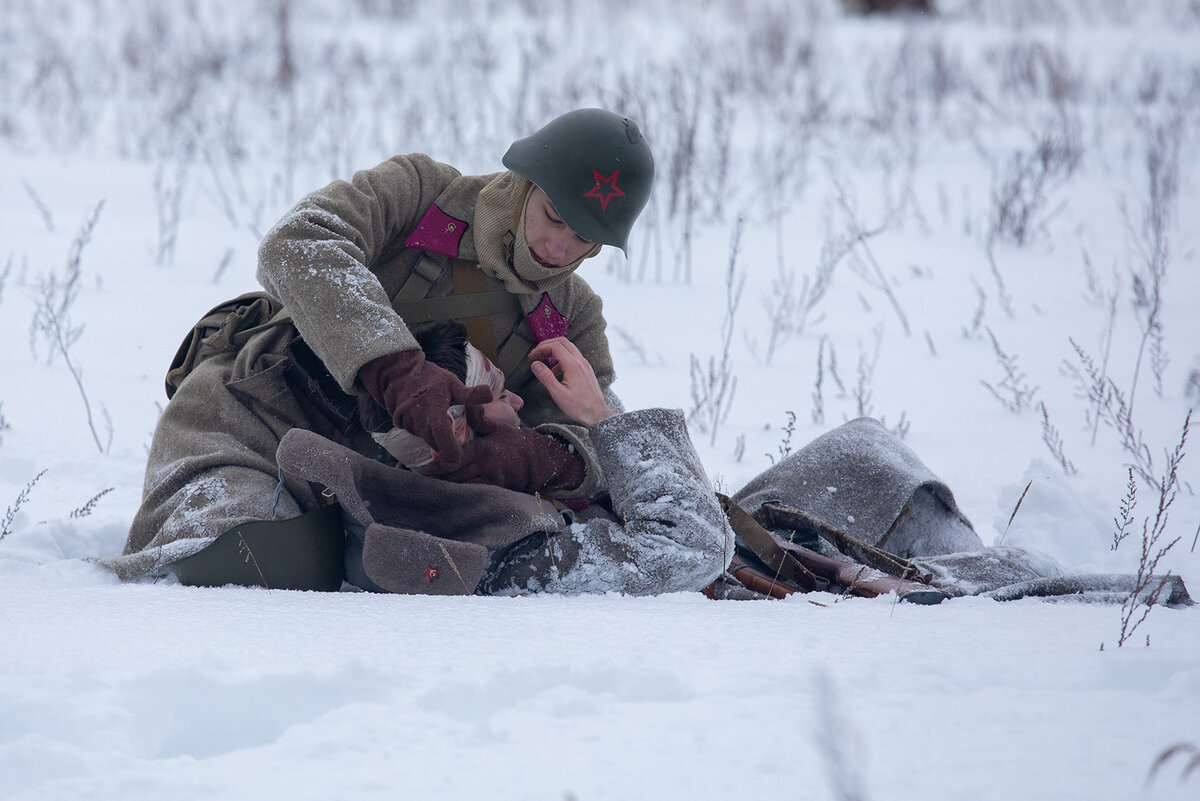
319, 259
667, 532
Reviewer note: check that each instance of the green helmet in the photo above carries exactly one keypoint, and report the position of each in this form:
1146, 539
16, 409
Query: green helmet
595, 167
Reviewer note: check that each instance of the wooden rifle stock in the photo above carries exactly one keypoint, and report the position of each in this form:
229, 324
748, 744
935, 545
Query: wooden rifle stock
799, 569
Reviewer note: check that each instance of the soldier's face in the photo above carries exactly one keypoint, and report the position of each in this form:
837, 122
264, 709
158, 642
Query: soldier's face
503, 408
551, 241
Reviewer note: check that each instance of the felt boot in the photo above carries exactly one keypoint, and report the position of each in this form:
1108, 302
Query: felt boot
302, 553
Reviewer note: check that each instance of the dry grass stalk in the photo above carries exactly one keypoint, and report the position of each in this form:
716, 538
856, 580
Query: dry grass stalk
1148, 586
10, 514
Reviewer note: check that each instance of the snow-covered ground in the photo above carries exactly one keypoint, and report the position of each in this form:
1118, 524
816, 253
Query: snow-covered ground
869, 161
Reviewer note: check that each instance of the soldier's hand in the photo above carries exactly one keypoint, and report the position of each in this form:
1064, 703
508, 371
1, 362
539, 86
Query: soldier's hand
519, 459
418, 395
571, 381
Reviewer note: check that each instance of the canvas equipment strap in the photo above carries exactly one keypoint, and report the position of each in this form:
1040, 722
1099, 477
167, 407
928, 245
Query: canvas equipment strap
427, 272
520, 341
472, 304
470, 280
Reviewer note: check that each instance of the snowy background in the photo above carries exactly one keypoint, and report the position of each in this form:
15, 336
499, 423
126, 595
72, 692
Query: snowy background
978, 227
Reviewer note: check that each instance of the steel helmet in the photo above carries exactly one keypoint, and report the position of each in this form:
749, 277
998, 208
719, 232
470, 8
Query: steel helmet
595, 167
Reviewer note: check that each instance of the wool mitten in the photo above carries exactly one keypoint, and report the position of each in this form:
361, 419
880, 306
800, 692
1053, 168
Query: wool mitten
519, 459
418, 394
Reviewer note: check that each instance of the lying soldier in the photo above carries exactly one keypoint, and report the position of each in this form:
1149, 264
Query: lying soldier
658, 528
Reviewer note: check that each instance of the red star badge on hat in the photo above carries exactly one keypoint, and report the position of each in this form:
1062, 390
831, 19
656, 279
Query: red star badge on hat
605, 189
431, 573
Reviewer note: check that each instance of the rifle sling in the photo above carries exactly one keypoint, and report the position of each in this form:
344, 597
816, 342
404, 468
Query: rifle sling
778, 515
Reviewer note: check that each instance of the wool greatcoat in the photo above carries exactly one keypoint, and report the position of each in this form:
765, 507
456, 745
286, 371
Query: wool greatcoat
659, 529
336, 262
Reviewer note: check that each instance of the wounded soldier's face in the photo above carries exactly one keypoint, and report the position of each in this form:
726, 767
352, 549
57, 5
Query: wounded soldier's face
505, 404
503, 408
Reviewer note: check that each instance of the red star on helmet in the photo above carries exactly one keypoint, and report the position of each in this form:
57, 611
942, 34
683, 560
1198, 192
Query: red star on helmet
609, 190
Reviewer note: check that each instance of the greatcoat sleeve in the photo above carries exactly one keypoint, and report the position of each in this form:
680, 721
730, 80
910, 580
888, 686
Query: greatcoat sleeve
666, 531
320, 260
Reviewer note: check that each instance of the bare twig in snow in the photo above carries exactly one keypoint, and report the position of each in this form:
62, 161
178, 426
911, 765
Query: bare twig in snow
713, 387
1111, 407
52, 318
1188, 752
4, 275
1054, 442
818, 397
860, 237
1013, 392
866, 372
1016, 508
1163, 142
1148, 587
10, 514
42, 208
90, 506
168, 194
1124, 519
785, 447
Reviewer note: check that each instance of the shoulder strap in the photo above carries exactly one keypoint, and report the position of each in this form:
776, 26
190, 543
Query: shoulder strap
520, 341
470, 281
471, 303
428, 271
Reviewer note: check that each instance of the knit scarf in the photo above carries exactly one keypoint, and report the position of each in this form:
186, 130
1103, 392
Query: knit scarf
500, 239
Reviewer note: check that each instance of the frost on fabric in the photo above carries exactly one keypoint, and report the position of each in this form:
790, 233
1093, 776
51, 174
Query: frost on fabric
668, 533
859, 478
194, 514
988, 569
929, 528
316, 263
674, 536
